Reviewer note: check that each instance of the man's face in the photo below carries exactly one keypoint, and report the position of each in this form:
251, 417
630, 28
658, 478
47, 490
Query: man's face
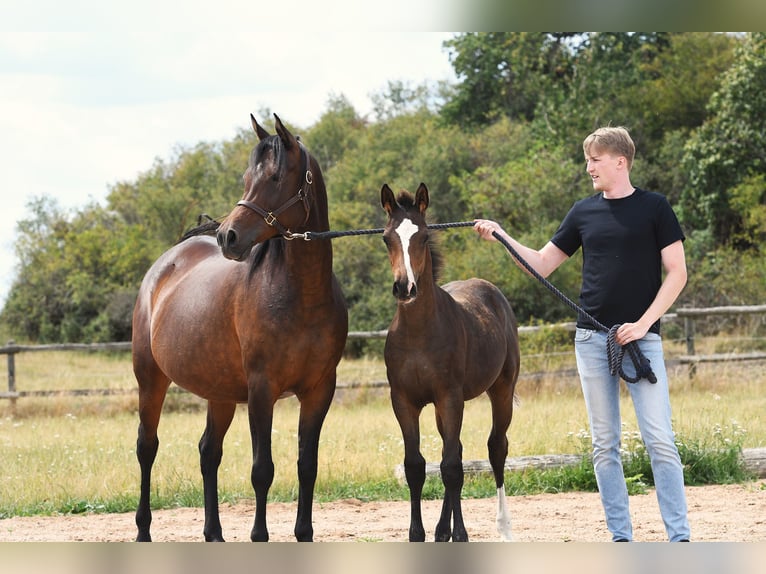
604, 168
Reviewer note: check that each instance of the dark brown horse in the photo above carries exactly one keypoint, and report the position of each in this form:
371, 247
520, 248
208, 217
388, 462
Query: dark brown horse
249, 319
445, 345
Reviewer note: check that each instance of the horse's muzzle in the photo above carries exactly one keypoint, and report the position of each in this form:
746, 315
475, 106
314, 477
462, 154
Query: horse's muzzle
230, 248
403, 292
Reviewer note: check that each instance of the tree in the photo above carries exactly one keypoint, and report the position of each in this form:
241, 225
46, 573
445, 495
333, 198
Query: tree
337, 131
78, 275
729, 148
506, 73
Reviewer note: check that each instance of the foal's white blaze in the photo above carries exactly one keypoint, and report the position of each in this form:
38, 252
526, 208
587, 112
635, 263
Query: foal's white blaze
405, 231
503, 519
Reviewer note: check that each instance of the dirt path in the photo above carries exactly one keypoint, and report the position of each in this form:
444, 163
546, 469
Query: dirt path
731, 513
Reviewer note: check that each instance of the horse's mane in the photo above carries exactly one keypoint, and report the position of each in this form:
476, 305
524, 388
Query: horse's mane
406, 201
276, 145
209, 227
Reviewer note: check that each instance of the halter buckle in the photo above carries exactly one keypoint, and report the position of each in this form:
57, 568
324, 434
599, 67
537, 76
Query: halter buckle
270, 218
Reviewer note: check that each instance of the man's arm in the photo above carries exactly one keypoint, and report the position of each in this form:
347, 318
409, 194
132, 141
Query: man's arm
545, 261
674, 263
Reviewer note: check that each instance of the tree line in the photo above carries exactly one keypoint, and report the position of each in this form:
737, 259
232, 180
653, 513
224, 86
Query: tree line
502, 142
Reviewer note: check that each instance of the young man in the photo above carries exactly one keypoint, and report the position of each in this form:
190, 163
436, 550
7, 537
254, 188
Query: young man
628, 236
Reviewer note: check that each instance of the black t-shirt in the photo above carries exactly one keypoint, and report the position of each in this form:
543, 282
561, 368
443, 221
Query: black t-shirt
621, 241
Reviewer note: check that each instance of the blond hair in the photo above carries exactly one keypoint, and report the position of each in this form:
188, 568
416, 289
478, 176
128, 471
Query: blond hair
613, 140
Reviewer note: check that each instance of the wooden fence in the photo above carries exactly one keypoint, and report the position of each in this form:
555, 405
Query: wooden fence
689, 316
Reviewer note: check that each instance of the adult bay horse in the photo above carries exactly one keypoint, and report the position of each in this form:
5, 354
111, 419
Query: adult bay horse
248, 319
445, 345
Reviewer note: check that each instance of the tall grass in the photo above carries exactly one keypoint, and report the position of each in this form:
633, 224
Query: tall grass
76, 454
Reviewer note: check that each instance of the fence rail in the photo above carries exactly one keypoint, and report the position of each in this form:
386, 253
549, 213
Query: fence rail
689, 315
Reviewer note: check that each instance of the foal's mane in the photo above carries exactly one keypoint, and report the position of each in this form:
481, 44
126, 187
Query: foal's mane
406, 201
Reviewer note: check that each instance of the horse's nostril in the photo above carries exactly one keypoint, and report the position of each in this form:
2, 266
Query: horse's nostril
403, 292
226, 238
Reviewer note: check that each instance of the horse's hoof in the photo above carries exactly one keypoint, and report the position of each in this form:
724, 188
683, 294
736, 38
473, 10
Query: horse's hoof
417, 535
259, 536
505, 533
460, 537
304, 534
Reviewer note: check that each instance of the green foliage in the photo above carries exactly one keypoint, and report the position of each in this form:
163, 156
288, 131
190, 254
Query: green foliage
506, 74
730, 146
725, 276
77, 274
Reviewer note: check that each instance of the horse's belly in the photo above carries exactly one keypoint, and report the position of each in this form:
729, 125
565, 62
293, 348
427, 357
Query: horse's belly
213, 338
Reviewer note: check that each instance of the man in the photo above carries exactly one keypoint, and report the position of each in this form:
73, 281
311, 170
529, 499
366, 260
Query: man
628, 236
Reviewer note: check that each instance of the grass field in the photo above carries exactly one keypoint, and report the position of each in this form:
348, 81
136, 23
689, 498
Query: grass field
77, 453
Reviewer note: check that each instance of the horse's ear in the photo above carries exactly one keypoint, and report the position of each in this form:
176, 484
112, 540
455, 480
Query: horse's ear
262, 133
421, 198
387, 199
284, 134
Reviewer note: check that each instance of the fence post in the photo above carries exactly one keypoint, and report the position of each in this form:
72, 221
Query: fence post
689, 329
12, 376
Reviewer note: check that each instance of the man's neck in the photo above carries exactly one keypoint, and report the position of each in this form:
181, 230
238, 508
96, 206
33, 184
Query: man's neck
619, 192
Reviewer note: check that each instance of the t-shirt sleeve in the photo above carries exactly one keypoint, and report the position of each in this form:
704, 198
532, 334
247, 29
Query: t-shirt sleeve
567, 236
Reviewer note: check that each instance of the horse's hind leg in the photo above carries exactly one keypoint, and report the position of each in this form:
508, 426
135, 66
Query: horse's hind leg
449, 421
501, 400
313, 412
150, 399
408, 417
219, 417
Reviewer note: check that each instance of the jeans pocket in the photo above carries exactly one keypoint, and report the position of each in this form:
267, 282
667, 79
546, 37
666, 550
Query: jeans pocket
582, 335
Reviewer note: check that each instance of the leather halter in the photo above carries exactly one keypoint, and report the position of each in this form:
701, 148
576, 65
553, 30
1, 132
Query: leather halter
270, 217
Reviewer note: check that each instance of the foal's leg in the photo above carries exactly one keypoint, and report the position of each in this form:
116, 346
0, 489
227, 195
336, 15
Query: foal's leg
260, 408
501, 399
408, 417
449, 421
313, 411
219, 417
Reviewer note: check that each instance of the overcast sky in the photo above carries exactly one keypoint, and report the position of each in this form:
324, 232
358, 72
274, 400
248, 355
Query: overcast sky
91, 95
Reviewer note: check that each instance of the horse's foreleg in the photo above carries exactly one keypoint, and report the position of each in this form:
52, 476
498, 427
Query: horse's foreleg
219, 417
449, 421
414, 464
261, 414
313, 412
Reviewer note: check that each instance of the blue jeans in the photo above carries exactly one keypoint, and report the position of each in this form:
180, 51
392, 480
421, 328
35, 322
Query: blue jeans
652, 405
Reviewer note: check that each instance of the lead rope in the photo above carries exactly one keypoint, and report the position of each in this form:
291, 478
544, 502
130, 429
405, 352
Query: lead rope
312, 235
615, 351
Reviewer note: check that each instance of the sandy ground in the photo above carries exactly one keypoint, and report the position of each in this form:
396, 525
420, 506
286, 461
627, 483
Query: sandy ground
729, 513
